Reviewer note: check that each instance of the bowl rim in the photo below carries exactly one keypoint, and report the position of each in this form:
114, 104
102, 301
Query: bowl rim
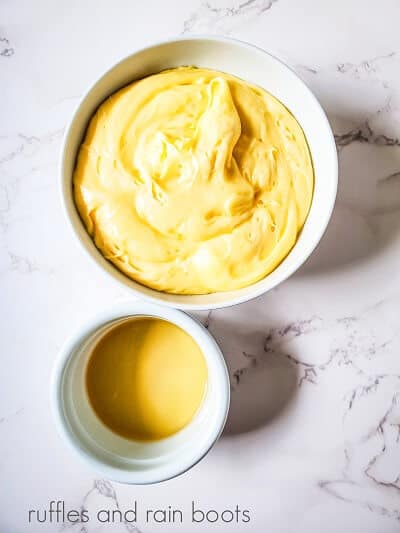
252, 291
128, 309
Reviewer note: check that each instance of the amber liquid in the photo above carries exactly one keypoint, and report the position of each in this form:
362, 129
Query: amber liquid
146, 379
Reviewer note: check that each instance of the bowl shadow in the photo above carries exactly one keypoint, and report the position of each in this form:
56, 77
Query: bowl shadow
264, 378
366, 218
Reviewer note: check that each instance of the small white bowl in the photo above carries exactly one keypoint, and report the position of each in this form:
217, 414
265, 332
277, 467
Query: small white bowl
117, 458
255, 66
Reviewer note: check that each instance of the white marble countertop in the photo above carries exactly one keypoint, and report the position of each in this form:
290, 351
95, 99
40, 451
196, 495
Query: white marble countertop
313, 440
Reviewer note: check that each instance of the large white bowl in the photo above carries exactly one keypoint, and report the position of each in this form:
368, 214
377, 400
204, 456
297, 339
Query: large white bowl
255, 66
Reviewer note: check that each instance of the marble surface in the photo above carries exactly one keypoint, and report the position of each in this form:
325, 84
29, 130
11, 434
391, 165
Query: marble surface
313, 439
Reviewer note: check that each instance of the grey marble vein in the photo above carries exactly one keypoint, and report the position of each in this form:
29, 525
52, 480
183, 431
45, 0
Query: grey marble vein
368, 67
301, 327
275, 346
307, 68
215, 18
28, 148
252, 362
391, 178
360, 391
30, 140
360, 483
369, 213
364, 133
5, 203
6, 50
22, 264
349, 345
104, 488
207, 322
7, 417
282, 336
334, 489
367, 64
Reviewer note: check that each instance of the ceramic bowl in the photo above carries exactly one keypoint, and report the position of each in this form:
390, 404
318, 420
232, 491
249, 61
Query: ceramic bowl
255, 66
117, 458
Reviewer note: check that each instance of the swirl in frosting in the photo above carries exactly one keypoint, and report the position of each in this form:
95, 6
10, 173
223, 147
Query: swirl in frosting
192, 181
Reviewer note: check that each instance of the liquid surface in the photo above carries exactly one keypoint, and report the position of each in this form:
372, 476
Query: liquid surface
146, 379
193, 181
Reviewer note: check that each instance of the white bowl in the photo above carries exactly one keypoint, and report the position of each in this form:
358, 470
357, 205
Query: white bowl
117, 458
255, 66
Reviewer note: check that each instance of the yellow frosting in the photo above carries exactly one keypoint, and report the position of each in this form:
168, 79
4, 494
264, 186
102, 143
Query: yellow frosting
193, 181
